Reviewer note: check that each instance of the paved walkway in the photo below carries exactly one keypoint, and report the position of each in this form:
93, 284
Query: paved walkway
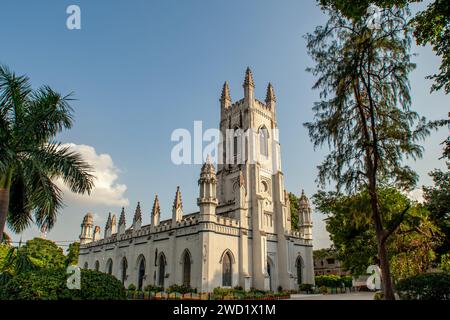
341, 296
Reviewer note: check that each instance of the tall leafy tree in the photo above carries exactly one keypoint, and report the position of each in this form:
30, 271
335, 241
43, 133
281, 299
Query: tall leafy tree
364, 115
72, 254
431, 26
30, 158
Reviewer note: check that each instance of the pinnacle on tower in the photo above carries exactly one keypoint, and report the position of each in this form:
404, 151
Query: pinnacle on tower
122, 217
225, 93
270, 96
137, 213
249, 78
156, 209
177, 203
108, 222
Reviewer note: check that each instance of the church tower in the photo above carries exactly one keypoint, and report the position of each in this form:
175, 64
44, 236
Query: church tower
250, 177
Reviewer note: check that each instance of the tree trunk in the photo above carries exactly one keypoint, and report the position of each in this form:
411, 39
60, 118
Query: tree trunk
4, 204
386, 280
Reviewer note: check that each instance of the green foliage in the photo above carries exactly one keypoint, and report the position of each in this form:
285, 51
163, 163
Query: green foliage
152, 288
432, 27
324, 253
50, 284
294, 210
378, 295
305, 287
437, 201
333, 281
180, 289
357, 9
131, 287
31, 160
411, 246
44, 253
72, 254
426, 286
444, 265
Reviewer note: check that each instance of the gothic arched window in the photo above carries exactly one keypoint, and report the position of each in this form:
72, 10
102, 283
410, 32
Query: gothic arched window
264, 142
187, 269
141, 272
226, 270
124, 270
97, 265
299, 267
109, 266
161, 269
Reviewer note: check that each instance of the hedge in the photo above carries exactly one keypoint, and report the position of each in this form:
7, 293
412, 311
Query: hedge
333, 281
50, 284
426, 286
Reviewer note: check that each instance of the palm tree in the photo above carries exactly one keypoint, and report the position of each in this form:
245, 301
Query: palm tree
30, 158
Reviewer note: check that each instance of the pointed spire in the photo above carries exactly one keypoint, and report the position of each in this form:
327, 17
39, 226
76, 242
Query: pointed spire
249, 78
177, 201
225, 92
270, 96
108, 222
137, 213
122, 217
156, 209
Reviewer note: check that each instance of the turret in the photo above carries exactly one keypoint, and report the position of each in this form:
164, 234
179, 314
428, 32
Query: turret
177, 209
87, 230
207, 200
304, 217
249, 87
270, 97
122, 222
97, 233
156, 212
137, 219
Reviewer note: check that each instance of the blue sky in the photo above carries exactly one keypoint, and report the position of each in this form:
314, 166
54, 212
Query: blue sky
140, 69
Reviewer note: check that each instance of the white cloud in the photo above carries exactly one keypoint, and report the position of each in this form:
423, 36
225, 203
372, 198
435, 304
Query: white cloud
416, 195
107, 191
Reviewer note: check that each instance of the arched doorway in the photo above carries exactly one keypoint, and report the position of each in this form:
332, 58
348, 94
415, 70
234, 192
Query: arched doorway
299, 267
141, 272
124, 267
109, 266
186, 269
161, 269
227, 270
97, 265
270, 273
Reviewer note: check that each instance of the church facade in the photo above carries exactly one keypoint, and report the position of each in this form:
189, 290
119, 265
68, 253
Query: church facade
241, 235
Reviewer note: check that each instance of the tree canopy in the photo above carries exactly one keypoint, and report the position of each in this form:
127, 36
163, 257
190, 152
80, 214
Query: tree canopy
411, 247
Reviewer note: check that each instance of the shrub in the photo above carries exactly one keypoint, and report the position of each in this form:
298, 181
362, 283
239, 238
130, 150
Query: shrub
323, 290
151, 288
50, 284
180, 289
426, 286
306, 287
131, 287
379, 295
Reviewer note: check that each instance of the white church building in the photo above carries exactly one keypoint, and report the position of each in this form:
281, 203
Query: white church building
241, 235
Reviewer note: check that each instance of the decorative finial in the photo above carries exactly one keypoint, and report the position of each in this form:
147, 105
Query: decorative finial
225, 93
122, 217
156, 209
137, 213
270, 96
249, 78
177, 203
